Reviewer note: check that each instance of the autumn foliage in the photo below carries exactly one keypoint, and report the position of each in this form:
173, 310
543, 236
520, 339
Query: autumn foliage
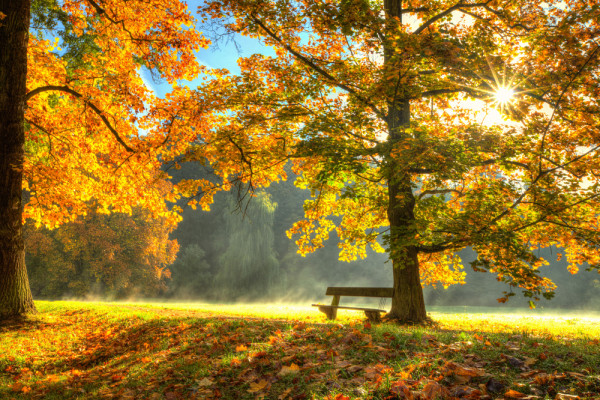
94, 129
80, 131
106, 256
383, 108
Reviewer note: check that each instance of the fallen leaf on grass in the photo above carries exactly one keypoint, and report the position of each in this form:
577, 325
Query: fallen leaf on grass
259, 354
341, 397
285, 394
460, 373
467, 392
292, 369
256, 387
127, 395
354, 368
494, 386
513, 394
434, 390
542, 379
342, 364
563, 396
529, 374
513, 361
16, 387
529, 361
205, 382
171, 396
401, 391
241, 348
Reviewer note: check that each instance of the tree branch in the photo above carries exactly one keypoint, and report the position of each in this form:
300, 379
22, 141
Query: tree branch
318, 69
496, 160
562, 94
438, 191
72, 92
441, 15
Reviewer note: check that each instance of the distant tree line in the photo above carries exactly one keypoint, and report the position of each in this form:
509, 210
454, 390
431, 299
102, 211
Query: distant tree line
108, 256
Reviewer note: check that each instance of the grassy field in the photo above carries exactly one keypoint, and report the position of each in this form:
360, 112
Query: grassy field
78, 350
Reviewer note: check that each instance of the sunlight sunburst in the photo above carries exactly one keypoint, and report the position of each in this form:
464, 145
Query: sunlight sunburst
504, 95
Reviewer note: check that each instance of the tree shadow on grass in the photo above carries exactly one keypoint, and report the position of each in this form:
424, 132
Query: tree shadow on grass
25, 323
184, 357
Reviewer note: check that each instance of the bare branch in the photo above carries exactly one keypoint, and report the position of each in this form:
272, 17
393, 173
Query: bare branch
438, 191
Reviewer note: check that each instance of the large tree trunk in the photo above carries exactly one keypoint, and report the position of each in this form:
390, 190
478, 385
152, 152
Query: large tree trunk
408, 304
15, 294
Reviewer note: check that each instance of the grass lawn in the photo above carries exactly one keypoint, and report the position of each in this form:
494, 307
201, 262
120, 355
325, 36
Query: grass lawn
80, 350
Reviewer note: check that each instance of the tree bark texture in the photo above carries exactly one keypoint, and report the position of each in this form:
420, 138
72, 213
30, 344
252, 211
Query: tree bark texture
15, 294
408, 304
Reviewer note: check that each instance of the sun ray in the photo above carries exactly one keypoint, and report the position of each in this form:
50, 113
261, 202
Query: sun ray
503, 88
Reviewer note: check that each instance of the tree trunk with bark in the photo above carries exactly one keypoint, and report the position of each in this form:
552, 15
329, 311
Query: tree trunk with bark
408, 304
15, 294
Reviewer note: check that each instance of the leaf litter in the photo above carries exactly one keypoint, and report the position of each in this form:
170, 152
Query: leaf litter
167, 354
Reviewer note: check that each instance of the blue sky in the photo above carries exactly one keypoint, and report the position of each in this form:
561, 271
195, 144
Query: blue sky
225, 55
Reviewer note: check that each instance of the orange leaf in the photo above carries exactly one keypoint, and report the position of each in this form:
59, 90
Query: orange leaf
16, 387
513, 394
241, 348
273, 339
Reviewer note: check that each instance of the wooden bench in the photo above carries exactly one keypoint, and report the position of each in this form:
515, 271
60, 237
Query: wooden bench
373, 314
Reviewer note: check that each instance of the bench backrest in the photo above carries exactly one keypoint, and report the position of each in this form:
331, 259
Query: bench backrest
360, 291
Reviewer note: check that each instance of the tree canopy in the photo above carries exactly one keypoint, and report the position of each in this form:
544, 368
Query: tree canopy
79, 129
94, 129
435, 125
383, 108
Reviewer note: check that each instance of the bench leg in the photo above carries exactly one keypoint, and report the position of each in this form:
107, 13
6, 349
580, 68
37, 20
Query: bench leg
329, 312
373, 316
334, 302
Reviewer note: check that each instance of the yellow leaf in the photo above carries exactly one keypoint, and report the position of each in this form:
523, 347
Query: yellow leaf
258, 386
292, 369
205, 382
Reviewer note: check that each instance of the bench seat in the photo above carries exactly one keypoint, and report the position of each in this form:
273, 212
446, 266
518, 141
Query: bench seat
373, 314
